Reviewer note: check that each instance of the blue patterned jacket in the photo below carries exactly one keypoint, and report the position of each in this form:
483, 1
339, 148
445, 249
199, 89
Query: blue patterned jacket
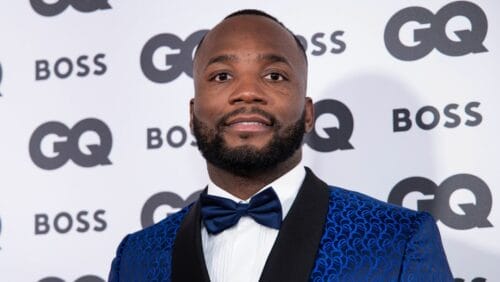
329, 234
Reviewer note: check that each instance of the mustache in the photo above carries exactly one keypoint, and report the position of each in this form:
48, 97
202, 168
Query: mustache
254, 110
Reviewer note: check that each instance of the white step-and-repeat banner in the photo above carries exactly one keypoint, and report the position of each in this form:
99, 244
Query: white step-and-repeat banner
95, 143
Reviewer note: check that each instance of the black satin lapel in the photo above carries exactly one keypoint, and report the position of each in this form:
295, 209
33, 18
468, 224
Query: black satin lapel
293, 254
188, 261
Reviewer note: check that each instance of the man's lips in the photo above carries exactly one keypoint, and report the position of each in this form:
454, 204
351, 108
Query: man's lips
248, 123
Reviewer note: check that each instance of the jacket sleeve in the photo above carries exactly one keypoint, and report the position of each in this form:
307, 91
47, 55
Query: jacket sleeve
114, 273
424, 258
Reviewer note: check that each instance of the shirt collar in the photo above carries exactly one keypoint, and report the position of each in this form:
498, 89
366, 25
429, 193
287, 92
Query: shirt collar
286, 187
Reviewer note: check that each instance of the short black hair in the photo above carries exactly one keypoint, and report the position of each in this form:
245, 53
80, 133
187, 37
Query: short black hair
255, 12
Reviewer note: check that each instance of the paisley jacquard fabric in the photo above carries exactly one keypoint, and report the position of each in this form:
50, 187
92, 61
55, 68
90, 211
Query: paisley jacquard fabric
363, 240
147, 254
369, 240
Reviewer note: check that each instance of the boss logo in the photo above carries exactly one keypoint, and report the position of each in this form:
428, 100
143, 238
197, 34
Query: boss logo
169, 200
67, 147
432, 33
165, 56
54, 8
321, 43
86, 278
175, 137
429, 117
64, 67
334, 138
472, 215
64, 222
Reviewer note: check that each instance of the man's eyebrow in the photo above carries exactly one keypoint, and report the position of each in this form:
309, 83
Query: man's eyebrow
221, 59
274, 58
271, 58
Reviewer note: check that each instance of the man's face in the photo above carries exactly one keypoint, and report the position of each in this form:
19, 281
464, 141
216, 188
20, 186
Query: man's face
249, 111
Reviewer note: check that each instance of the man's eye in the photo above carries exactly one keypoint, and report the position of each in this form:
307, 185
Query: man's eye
223, 76
274, 76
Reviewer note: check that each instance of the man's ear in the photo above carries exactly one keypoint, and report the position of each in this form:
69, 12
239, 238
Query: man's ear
309, 114
191, 114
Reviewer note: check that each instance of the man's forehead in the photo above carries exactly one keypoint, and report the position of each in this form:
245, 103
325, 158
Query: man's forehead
247, 32
247, 24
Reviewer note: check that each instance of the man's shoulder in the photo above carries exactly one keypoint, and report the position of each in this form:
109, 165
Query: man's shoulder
147, 252
350, 202
166, 228
365, 237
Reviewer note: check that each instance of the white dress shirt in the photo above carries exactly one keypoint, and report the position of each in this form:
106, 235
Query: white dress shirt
239, 253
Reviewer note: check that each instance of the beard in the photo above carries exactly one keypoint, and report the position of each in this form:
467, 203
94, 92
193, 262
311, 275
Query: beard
248, 160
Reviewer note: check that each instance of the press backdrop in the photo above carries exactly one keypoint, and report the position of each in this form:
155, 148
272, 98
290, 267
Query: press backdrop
95, 143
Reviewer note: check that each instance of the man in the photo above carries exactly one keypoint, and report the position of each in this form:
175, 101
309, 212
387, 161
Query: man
263, 216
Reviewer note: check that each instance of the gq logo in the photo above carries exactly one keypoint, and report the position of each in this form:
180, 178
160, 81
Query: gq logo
170, 199
337, 138
433, 35
474, 214
68, 148
52, 9
86, 278
165, 56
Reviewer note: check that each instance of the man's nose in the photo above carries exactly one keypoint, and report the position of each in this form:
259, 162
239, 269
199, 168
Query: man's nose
248, 91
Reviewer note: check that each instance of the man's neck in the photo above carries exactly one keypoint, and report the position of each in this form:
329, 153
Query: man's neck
246, 186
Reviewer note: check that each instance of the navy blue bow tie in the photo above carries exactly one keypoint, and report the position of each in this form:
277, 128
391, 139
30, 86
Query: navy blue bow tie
220, 213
